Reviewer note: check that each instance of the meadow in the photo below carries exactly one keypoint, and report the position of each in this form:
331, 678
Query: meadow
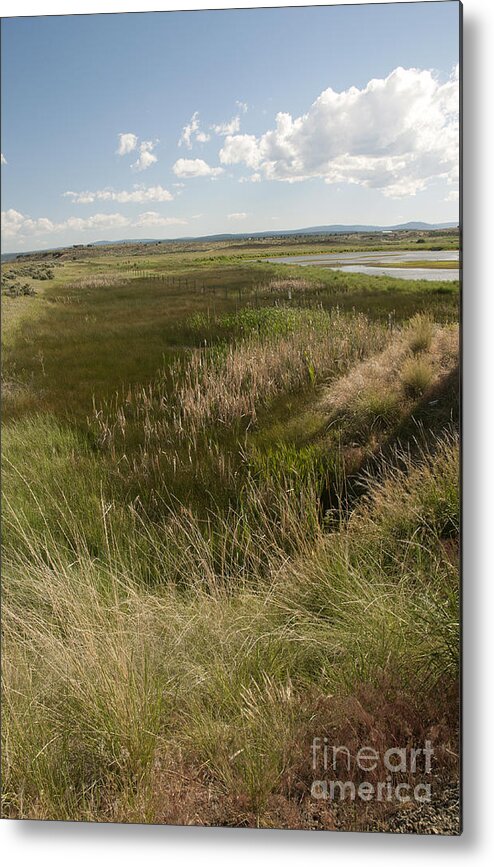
230, 525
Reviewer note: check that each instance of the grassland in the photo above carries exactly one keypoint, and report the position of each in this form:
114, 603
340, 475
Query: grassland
230, 525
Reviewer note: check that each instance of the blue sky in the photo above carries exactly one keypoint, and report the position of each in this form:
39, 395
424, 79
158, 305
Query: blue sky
187, 123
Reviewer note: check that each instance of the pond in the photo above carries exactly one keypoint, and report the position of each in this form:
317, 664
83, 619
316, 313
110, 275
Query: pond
372, 262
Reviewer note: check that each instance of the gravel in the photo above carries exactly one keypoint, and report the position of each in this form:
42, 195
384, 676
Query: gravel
441, 816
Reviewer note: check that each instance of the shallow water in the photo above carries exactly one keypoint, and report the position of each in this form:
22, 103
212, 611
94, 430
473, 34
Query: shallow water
362, 263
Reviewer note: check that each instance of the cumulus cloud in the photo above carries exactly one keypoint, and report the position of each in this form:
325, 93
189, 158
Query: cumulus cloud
21, 227
127, 142
228, 128
396, 134
238, 215
241, 149
3, 161
242, 106
146, 157
17, 225
138, 195
192, 131
195, 169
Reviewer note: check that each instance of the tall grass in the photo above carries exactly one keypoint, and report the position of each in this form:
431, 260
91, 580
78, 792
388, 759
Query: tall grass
186, 431
155, 642
104, 677
383, 388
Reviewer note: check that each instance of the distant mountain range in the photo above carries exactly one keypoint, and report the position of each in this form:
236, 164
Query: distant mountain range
334, 229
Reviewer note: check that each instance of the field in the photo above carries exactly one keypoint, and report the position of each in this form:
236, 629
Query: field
230, 526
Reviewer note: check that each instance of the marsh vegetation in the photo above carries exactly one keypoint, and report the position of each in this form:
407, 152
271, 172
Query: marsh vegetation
230, 524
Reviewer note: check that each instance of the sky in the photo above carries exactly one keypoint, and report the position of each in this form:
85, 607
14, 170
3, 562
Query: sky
174, 124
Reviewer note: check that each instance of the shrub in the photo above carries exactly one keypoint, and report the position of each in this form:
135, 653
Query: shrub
420, 332
416, 377
375, 411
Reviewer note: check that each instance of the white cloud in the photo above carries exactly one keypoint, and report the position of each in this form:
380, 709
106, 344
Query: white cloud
396, 134
241, 149
152, 218
139, 195
242, 106
127, 143
21, 227
189, 130
453, 196
146, 157
192, 131
3, 161
195, 169
15, 224
96, 221
255, 178
228, 128
239, 215
252, 179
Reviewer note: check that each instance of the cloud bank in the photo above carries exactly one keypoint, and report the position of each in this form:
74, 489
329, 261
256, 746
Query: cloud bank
19, 226
139, 194
397, 134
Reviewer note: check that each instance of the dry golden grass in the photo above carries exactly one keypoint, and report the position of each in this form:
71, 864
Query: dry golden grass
96, 281
110, 685
417, 376
290, 286
389, 371
218, 393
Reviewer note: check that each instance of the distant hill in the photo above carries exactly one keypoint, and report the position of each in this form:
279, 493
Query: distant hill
334, 229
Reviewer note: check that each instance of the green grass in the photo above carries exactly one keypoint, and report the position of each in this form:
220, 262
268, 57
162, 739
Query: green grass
417, 377
99, 338
230, 510
422, 263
